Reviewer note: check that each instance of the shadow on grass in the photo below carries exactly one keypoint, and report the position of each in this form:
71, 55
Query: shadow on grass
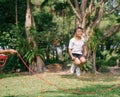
69, 76
92, 77
6, 75
89, 91
17, 96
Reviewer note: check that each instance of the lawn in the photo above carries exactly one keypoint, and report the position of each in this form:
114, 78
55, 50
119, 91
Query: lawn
59, 85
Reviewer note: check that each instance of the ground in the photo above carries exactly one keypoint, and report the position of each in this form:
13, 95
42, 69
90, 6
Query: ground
58, 68
56, 82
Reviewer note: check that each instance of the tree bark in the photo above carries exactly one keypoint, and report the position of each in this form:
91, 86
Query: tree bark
16, 13
36, 66
94, 62
74, 10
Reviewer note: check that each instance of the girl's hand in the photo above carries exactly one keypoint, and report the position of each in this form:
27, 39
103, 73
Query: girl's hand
12, 51
73, 58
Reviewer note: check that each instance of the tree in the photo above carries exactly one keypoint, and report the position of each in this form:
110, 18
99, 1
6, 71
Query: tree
89, 14
36, 62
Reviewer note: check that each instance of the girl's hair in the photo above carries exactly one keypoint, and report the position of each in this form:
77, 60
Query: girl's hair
76, 29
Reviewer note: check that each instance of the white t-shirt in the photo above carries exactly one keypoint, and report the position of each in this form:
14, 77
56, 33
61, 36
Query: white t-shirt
76, 45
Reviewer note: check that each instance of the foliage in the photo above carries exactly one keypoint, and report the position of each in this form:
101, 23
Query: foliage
110, 58
54, 20
37, 2
45, 26
87, 66
30, 55
111, 50
13, 64
104, 69
94, 39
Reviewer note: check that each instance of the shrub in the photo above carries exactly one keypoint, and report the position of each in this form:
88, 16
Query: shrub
104, 69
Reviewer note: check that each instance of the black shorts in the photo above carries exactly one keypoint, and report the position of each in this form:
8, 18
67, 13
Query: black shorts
77, 55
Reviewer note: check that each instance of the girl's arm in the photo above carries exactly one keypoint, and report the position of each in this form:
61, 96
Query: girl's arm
8, 51
84, 50
70, 52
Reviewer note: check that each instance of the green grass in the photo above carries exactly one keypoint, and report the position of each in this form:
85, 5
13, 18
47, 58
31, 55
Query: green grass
22, 85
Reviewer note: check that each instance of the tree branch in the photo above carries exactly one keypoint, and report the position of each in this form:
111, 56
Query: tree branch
83, 7
91, 6
111, 11
74, 10
77, 6
113, 29
98, 16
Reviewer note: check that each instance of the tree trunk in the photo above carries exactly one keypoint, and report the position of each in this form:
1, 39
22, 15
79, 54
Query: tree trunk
40, 65
16, 13
36, 66
28, 22
94, 62
117, 62
77, 21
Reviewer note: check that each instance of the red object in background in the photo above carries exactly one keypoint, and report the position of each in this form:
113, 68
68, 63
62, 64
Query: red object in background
3, 56
3, 59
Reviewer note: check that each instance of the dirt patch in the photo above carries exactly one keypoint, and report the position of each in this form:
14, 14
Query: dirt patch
114, 70
53, 68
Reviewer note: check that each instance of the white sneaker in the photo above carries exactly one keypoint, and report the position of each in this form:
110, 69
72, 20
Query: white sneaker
72, 68
78, 72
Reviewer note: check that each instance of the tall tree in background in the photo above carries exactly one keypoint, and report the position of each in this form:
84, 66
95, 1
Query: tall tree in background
36, 63
89, 13
16, 12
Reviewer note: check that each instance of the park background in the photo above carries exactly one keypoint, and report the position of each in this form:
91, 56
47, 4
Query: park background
41, 29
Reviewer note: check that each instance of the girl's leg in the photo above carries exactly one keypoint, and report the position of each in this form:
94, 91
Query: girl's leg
77, 61
78, 72
72, 69
82, 60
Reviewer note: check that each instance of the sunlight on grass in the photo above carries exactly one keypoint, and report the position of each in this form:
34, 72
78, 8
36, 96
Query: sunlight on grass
16, 85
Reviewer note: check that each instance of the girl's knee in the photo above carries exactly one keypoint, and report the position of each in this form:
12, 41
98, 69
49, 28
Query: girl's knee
77, 61
82, 59
82, 63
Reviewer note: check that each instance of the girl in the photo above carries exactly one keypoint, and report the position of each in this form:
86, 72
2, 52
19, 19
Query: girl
77, 50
